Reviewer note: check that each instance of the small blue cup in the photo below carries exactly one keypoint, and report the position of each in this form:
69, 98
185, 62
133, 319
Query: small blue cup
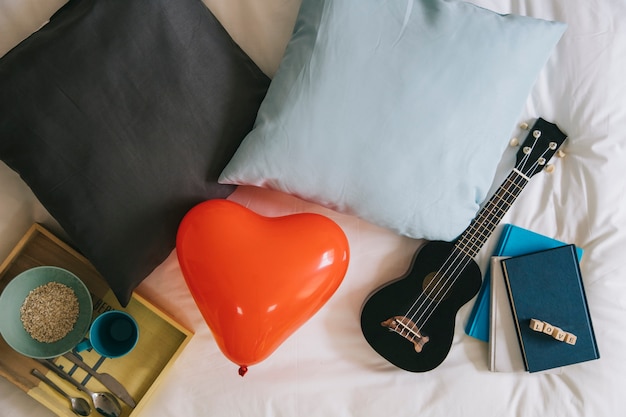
112, 334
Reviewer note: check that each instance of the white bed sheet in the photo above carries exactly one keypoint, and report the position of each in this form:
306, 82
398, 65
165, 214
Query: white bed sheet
326, 368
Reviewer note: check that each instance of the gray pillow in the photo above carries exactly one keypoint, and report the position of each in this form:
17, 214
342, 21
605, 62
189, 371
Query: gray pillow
120, 115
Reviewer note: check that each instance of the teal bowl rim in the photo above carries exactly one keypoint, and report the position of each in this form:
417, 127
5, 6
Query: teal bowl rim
18, 288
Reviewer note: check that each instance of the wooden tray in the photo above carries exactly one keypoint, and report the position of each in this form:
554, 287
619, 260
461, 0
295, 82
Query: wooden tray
161, 339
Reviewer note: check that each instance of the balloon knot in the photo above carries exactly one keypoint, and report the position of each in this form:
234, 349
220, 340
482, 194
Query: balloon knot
242, 370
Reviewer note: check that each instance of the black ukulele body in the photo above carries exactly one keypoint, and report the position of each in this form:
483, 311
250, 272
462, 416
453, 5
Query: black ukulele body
406, 321
397, 298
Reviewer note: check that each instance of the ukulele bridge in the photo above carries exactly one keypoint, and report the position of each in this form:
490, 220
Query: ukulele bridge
406, 328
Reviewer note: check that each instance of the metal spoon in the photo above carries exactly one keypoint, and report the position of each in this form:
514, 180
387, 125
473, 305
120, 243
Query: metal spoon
79, 405
104, 402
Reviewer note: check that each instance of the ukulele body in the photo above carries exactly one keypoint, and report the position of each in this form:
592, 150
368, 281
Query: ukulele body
406, 321
396, 299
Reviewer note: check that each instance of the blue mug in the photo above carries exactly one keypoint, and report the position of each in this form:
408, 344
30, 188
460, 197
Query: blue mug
112, 334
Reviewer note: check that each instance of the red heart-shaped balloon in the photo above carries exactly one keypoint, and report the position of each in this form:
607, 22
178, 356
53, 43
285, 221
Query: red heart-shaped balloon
257, 279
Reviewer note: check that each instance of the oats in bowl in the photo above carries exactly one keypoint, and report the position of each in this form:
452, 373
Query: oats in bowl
49, 312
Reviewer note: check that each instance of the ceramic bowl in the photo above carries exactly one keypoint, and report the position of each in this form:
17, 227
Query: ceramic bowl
13, 297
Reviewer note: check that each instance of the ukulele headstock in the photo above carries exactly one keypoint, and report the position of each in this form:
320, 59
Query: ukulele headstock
541, 143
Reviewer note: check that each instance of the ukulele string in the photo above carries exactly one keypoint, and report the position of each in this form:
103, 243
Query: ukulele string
451, 270
448, 275
447, 279
447, 286
486, 215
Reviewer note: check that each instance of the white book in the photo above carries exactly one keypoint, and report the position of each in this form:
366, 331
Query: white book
504, 350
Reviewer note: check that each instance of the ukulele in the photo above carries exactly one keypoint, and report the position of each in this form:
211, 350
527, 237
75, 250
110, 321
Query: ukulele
410, 321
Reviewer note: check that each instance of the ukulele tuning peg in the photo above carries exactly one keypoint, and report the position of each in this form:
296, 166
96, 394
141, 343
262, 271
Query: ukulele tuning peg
560, 154
514, 142
523, 126
537, 134
549, 168
527, 150
541, 161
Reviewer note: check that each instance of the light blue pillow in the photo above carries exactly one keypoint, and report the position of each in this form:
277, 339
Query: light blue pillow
395, 111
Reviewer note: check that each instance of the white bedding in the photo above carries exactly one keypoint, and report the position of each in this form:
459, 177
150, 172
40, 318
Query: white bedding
326, 368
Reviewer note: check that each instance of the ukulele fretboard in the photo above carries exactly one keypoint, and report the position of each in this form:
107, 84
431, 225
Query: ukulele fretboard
479, 230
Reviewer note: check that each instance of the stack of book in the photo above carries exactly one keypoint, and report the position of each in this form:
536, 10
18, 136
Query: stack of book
539, 318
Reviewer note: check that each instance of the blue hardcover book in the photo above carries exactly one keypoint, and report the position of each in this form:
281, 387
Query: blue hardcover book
550, 308
514, 241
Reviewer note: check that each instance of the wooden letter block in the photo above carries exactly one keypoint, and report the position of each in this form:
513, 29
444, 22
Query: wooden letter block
548, 328
558, 334
536, 325
570, 339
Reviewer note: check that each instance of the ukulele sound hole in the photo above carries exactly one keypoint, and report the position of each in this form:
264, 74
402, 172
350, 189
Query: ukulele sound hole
434, 286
